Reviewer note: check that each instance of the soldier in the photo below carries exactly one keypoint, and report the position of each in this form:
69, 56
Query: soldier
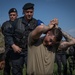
17, 36
13, 14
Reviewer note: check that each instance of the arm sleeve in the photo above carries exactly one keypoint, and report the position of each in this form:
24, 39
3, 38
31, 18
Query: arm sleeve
40, 22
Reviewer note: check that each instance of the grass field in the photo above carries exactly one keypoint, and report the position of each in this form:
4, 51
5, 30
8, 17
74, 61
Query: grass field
55, 71
68, 72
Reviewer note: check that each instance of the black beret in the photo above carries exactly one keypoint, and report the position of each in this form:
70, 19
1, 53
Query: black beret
28, 6
12, 10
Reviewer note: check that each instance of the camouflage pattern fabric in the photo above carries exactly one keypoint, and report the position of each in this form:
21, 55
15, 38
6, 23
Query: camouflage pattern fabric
2, 48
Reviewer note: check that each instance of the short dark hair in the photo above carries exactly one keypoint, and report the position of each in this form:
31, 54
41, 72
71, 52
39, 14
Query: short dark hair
57, 33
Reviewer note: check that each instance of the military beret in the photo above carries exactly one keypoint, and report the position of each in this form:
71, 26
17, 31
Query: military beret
28, 6
12, 10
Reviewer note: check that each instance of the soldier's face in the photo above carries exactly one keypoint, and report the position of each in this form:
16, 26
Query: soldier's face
13, 16
29, 13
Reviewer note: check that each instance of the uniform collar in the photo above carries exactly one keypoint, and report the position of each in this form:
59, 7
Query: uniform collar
24, 21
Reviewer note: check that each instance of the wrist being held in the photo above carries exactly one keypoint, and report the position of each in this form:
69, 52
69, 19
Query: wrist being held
51, 26
53, 23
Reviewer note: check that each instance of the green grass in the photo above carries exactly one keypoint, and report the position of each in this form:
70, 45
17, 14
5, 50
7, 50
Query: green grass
68, 72
55, 70
1, 72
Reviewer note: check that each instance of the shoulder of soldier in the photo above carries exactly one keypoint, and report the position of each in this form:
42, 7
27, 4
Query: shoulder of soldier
18, 19
40, 22
34, 19
6, 24
37, 20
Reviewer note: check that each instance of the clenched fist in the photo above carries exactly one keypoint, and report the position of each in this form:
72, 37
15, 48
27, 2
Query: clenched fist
53, 23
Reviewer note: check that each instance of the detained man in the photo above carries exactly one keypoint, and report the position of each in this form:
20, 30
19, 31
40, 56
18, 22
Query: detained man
41, 50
